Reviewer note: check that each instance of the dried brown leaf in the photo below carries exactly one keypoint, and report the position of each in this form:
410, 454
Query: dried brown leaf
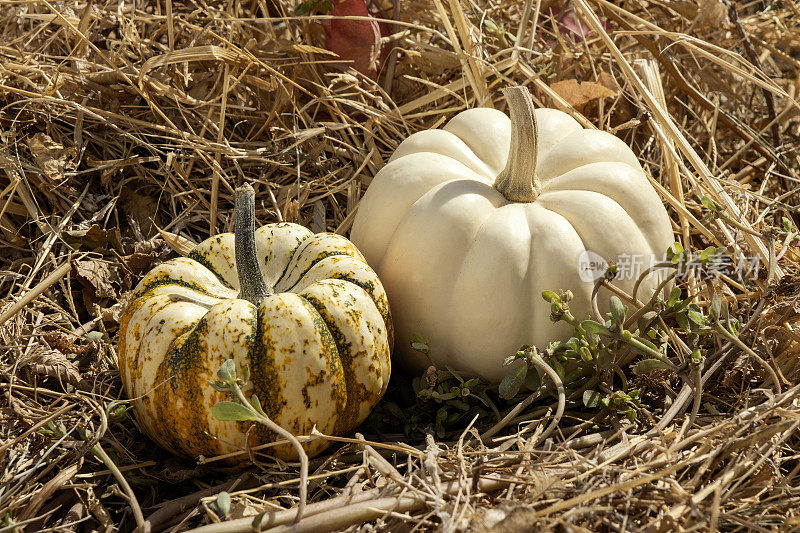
141, 213
578, 94
55, 364
93, 238
115, 311
608, 81
98, 276
711, 13
180, 244
51, 157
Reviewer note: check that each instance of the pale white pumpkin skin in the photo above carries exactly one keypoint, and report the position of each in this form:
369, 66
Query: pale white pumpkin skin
465, 268
318, 350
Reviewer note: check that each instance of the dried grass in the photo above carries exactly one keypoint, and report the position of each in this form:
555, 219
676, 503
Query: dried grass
125, 127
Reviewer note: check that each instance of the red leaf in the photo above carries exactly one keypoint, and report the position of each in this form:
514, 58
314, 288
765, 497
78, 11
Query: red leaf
357, 41
570, 25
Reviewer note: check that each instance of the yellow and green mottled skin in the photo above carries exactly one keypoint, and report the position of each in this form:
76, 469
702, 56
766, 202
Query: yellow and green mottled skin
318, 350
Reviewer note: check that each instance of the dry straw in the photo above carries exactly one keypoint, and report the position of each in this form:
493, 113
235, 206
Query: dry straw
126, 126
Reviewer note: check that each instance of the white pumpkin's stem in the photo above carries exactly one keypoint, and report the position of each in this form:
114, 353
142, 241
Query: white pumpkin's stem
251, 281
518, 181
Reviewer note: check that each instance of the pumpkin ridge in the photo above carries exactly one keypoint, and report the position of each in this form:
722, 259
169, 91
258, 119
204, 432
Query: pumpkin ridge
176, 381
460, 126
291, 255
578, 158
381, 304
320, 257
166, 280
294, 258
264, 376
155, 308
124, 363
357, 392
519, 211
271, 374
202, 260
631, 221
558, 185
348, 250
334, 357
345, 357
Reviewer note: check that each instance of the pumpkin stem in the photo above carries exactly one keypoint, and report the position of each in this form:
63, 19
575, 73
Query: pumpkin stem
252, 286
518, 181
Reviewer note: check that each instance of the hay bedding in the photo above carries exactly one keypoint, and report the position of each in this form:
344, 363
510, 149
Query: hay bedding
125, 126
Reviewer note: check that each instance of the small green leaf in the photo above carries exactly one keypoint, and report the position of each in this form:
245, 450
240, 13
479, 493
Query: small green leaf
511, 384
419, 343
604, 359
586, 354
532, 380
592, 398
696, 317
618, 311
650, 365
597, 328
551, 297
220, 386
716, 306
223, 503
709, 204
646, 342
93, 336
674, 297
558, 367
683, 320
472, 384
646, 319
232, 411
675, 253
116, 411
256, 403
302, 9
227, 372
594, 339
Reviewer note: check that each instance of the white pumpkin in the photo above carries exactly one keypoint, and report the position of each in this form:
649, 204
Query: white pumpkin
467, 225
301, 311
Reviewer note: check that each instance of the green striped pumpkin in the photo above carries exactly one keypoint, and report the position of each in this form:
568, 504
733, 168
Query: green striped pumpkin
304, 313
